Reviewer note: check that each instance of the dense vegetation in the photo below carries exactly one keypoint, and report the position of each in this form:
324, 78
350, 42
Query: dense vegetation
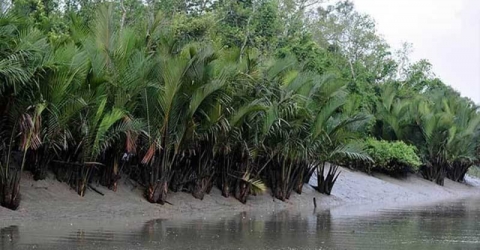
242, 95
395, 158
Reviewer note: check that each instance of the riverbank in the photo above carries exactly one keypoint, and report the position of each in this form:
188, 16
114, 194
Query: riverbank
51, 200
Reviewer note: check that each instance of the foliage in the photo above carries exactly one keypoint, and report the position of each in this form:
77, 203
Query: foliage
242, 95
392, 157
474, 171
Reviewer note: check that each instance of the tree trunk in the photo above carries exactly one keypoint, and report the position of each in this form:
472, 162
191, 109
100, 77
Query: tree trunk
124, 14
458, 170
241, 191
115, 176
200, 187
38, 161
325, 183
157, 193
247, 34
435, 171
10, 190
225, 180
299, 186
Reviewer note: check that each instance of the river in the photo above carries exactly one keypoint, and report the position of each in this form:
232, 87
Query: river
454, 225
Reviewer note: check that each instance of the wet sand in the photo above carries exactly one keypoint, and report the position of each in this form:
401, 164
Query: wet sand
354, 193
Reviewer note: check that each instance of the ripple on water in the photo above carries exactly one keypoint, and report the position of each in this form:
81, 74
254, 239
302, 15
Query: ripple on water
444, 226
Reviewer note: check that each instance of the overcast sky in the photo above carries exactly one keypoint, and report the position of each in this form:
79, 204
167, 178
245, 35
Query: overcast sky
446, 32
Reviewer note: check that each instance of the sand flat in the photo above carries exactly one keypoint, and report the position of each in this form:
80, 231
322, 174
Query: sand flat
51, 200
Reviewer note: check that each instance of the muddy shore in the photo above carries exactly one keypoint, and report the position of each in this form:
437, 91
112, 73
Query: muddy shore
51, 200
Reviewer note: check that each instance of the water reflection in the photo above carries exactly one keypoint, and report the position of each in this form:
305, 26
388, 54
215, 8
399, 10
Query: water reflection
8, 236
445, 226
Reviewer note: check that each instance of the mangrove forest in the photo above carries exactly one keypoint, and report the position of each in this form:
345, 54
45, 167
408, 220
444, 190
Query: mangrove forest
246, 96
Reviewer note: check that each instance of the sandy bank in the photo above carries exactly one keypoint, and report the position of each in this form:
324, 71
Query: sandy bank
52, 200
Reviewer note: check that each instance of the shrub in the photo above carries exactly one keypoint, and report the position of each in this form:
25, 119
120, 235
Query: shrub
474, 171
392, 157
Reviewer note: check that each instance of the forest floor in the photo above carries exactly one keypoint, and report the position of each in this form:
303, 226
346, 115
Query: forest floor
355, 192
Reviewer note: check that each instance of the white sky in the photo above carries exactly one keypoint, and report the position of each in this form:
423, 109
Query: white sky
446, 32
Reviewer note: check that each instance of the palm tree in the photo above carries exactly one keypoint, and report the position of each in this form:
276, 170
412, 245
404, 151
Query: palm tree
92, 94
392, 116
334, 132
231, 125
185, 83
303, 127
436, 121
20, 108
463, 139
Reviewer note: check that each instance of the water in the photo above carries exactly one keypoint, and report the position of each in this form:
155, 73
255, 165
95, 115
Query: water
444, 226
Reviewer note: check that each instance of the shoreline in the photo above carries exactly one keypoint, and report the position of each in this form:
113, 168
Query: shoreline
355, 193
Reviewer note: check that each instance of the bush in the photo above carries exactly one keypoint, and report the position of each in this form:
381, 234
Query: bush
474, 171
394, 158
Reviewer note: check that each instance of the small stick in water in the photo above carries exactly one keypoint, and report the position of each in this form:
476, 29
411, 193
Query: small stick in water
314, 202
